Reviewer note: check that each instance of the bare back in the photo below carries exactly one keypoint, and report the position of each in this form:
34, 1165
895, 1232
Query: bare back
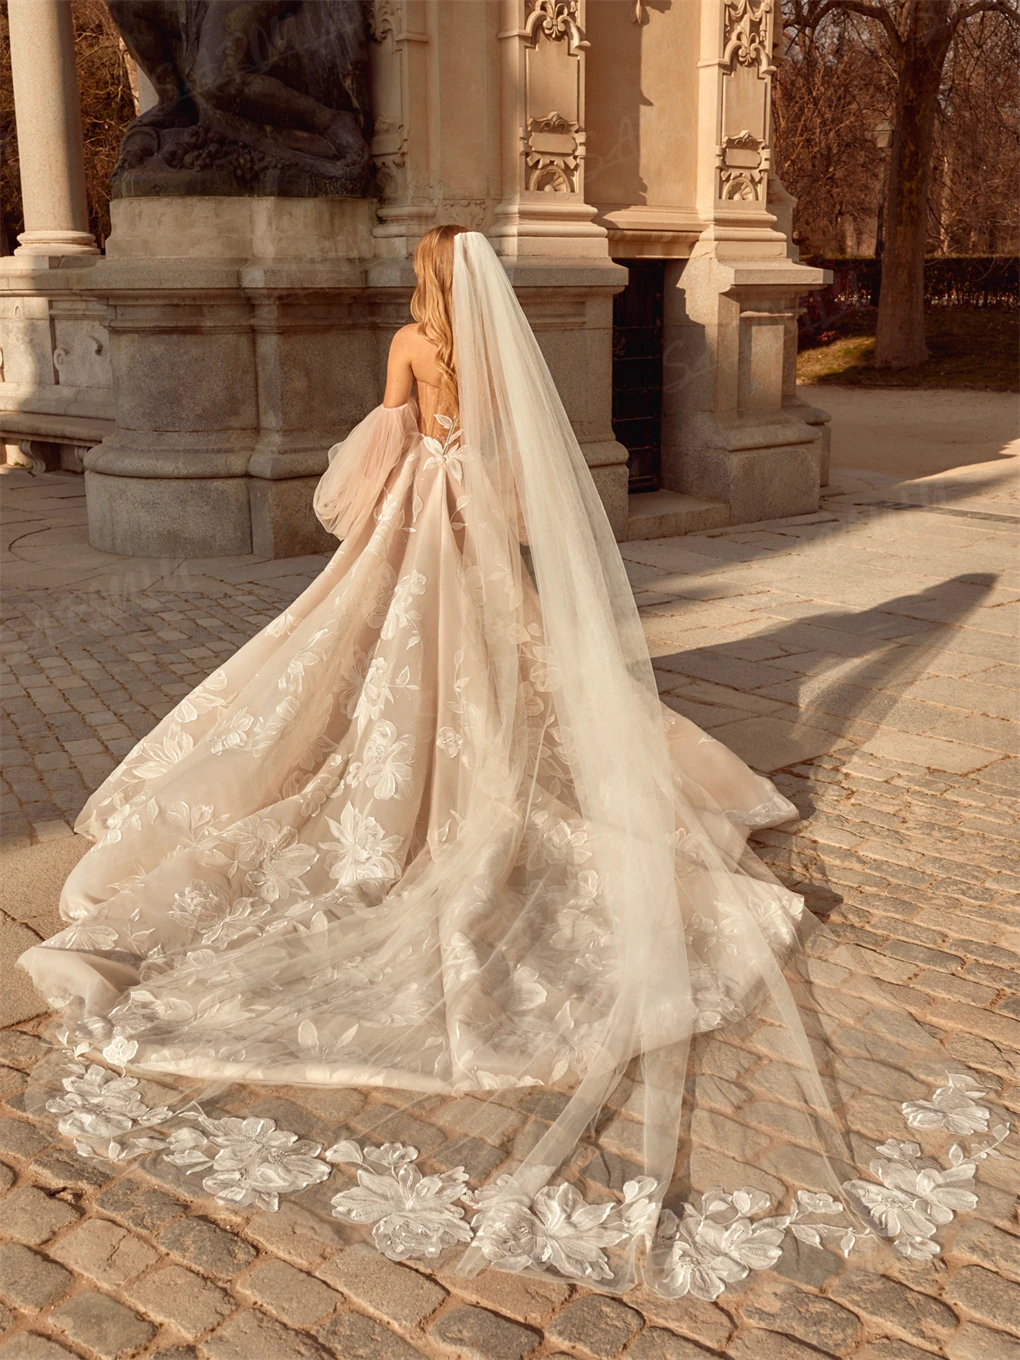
412, 361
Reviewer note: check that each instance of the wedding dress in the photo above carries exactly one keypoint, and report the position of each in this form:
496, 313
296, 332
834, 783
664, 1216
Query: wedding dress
429, 857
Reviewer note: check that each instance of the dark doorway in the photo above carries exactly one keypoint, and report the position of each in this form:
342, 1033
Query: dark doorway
637, 370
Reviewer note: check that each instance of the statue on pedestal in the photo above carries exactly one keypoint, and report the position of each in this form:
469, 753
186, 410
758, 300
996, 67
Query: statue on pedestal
254, 97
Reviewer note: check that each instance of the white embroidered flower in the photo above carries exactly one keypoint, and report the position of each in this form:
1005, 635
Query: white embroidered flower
952, 1107
712, 1006
202, 699
282, 625
545, 673
360, 849
352, 679
255, 1163
377, 691
912, 1197
557, 1228
87, 932
99, 1104
386, 767
200, 905
527, 991
414, 1216
156, 758
717, 1244
127, 813
554, 840
449, 741
272, 855
120, 1050
400, 613
234, 734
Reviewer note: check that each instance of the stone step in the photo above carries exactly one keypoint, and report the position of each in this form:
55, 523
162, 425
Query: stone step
665, 514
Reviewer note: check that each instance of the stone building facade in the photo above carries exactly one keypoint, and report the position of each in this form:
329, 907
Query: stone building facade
615, 153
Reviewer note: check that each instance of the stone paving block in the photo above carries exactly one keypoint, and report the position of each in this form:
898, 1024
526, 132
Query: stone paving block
705, 1322
6, 1176
18, 1049
973, 1342
295, 1233
11, 1082
105, 1252
481, 1118
772, 1346
207, 1247
64, 1169
32, 1346
28, 1281
913, 1314
356, 1337
654, 1343
105, 1326
297, 1298
986, 1295
994, 1248
19, 1139
253, 1336
396, 1292
181, 1298
478, 1159
891, 1350
476, 1334
600, 1325
518, 1296
139, 1205
30, 1215
808, 1317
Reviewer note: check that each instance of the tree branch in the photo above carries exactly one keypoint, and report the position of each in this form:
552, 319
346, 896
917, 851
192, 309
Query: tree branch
978, 7
877, 12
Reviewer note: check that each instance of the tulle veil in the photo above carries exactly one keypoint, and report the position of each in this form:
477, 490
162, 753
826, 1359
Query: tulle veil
423, 921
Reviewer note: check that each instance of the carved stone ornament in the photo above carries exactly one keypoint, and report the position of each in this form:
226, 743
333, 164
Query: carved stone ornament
252, 98
748, 37
383, 18
554, 149
743, 161
389, 156
555, 19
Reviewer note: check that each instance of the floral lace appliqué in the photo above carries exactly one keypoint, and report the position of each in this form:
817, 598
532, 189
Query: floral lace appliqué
250, 1162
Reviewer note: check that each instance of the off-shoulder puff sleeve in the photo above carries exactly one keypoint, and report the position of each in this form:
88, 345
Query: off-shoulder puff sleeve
359, 466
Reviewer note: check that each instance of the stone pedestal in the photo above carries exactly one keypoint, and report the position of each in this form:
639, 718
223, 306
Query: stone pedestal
726, 431
238, 361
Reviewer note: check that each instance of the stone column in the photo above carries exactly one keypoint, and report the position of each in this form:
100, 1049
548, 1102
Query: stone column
48, 116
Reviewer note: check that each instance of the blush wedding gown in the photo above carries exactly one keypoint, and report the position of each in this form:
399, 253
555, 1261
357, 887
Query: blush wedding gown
428, 857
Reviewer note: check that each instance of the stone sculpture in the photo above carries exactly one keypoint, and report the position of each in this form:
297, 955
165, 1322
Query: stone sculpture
264, 97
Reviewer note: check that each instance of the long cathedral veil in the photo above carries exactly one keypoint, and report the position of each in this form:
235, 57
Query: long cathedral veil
428, 858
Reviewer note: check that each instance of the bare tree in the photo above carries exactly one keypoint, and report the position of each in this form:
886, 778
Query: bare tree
914, 38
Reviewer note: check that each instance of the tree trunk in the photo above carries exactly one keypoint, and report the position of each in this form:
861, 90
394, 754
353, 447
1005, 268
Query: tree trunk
899, 341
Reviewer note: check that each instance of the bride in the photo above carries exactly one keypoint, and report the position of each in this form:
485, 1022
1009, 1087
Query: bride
428, 857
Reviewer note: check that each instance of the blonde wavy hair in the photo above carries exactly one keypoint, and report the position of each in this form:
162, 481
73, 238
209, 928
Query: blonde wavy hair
432, 301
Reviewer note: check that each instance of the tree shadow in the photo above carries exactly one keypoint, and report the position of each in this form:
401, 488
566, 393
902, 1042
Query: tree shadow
875, 660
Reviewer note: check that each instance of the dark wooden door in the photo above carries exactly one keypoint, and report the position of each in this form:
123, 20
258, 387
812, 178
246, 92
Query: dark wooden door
637, 370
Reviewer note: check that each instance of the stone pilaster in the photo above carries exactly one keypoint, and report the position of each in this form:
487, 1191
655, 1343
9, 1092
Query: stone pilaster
543, 211
729, 430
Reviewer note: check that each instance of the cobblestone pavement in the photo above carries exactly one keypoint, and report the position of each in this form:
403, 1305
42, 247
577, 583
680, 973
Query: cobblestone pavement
865, 656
